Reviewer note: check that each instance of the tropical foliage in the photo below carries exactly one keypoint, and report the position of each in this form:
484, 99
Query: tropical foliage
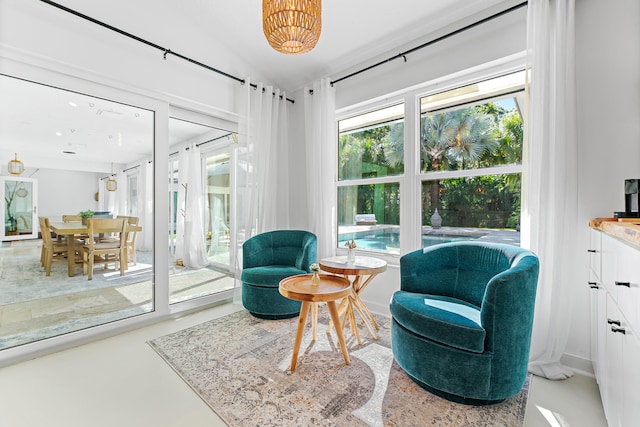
469, 138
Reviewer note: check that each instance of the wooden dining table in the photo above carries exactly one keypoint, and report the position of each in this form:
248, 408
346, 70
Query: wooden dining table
76, 228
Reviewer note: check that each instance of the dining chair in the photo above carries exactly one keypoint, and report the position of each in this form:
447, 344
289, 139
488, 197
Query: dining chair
96, 251
52, 250
131, 238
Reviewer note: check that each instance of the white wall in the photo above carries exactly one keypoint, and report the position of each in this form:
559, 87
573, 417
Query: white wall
608, 113
63, 192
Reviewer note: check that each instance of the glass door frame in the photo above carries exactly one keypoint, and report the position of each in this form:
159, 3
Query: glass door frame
33, 195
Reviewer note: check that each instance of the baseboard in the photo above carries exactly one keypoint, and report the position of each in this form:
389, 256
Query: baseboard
578, 364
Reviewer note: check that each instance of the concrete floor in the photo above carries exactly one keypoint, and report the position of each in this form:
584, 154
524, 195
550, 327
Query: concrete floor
121, 381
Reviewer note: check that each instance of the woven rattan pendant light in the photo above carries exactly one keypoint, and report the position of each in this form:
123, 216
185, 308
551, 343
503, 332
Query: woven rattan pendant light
292, 26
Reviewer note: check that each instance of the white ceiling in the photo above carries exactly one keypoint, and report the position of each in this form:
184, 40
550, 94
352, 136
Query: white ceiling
353, 33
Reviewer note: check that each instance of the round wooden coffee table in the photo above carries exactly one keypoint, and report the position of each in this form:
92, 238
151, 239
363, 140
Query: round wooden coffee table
361, 267
330, 289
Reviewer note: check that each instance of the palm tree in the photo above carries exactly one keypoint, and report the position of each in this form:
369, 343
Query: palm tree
453, 139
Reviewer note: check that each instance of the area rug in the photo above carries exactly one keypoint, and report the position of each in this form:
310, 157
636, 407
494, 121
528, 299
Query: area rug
239, 366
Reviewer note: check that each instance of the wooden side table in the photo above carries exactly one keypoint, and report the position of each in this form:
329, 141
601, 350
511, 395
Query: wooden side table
330, 289
361, 267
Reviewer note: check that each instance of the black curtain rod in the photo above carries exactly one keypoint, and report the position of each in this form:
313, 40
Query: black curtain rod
148, 43
429, 43
205, 142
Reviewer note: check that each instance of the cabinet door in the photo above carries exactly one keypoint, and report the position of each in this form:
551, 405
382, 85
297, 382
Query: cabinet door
612, 401
610, 248
631, 384
19, 213
595, 250
598, 335
627, 282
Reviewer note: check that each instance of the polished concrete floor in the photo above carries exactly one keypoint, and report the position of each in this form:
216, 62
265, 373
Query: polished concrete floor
121, 381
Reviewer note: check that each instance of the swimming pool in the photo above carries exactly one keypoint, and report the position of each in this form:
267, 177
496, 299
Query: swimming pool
388, 240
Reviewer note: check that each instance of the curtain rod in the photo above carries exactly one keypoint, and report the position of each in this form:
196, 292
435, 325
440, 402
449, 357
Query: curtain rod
148, 43
429, 43
205, 142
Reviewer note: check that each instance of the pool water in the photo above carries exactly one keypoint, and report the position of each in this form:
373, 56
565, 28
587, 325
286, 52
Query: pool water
389, 240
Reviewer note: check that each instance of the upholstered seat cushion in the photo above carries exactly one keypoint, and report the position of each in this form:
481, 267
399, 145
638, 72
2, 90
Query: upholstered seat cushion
269, 275
425, 315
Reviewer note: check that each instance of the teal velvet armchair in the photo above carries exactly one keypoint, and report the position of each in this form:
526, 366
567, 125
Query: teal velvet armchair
463, 317
267, 259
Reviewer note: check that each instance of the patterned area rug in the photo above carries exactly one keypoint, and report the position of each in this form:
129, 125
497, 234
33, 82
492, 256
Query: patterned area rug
239, 366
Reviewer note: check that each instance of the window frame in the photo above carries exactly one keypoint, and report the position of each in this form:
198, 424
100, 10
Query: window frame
410, 181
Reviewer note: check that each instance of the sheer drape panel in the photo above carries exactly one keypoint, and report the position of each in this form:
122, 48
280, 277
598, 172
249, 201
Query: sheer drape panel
322, 152
262, 197
550, 179
121, 206
144, 240
195, 248
190, 236
181, 207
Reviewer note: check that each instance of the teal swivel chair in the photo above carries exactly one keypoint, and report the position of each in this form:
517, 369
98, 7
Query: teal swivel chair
463, 317
267, 259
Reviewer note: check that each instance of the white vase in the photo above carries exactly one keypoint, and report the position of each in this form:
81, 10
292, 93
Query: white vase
436, 219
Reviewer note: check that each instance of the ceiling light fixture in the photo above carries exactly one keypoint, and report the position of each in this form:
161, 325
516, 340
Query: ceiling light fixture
112, 184
292, 26
16, 167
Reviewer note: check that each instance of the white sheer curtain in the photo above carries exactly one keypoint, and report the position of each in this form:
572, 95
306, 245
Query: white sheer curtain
144, 239
122, 199
550, 180
263, 177
321, 149
190, 239
262, 169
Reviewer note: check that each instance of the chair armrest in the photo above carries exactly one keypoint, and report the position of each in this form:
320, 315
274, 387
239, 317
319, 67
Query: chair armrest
508, 304
308, 253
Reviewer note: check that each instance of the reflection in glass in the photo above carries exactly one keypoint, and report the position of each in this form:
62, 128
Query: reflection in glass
188, 282
370, 215
372, 145
68, 142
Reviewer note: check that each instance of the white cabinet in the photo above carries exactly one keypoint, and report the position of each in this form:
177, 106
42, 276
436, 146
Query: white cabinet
615, 323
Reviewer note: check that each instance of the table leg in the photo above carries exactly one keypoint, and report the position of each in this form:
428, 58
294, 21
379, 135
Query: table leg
314, 319
302, 320
333, 311
341, 309
353, 322
71, 255
358, 306
359, 287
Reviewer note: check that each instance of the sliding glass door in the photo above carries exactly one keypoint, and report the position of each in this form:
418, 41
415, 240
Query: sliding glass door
200, 199
71, 143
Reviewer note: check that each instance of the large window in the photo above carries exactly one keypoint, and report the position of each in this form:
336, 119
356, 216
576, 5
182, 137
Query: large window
458, 168
371, 160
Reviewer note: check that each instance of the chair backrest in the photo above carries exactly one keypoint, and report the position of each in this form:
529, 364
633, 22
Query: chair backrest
460, 270
296, 248
99, 226
45, 232
131, 220
71, 218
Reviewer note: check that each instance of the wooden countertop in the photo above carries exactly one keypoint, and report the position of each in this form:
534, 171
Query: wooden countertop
627, 230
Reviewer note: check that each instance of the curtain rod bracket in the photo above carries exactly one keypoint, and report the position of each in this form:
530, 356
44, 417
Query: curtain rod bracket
166, 51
